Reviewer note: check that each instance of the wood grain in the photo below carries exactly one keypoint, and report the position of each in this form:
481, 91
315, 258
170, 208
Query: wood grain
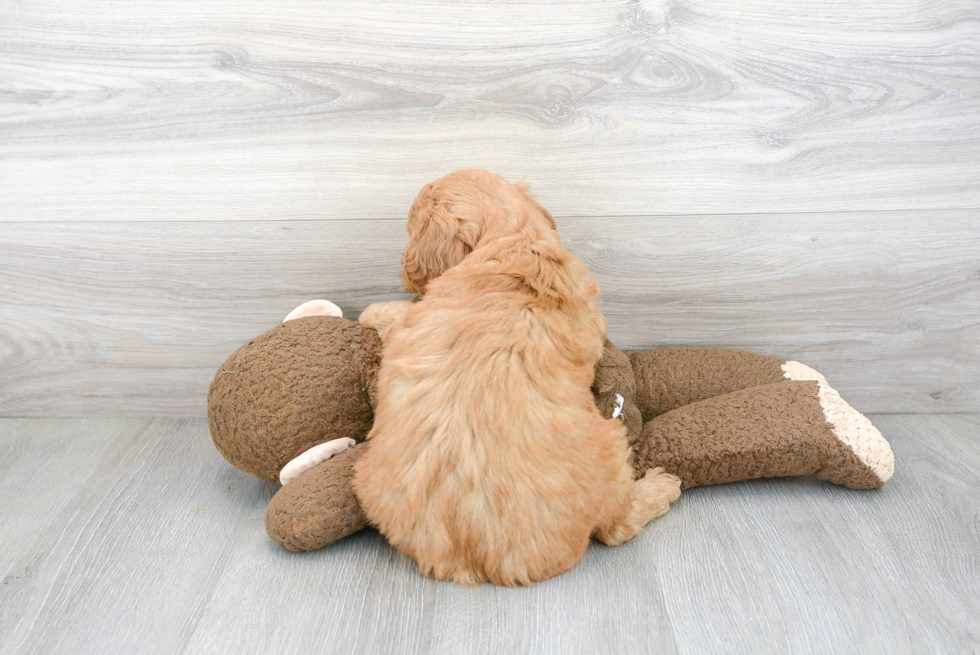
36, 485
226, 110
809, 567
133, 319
122, 551
940, 488
143, 539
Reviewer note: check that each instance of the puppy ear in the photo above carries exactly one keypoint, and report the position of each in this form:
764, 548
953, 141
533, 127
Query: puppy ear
544, 212
525, 188
437, 240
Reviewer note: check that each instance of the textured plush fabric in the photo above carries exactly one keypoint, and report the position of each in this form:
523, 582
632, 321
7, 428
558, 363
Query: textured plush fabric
319, 506
771, 430
673, 377
301, 383
857, 434
614, 375
709, 416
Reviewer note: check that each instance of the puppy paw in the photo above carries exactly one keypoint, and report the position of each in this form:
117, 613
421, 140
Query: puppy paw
384, 316
666, 486
650, 498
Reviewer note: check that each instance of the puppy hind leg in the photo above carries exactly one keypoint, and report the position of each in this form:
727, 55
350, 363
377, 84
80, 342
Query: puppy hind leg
649, 498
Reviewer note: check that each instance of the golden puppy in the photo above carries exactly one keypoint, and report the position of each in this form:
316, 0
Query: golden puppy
488, 459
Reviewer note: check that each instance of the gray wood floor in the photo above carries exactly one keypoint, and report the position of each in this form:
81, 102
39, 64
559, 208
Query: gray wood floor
133, 535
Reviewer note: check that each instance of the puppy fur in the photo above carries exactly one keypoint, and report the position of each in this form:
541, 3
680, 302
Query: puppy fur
489, 460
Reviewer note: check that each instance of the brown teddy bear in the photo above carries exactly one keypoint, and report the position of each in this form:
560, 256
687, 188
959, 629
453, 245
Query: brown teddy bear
295, 405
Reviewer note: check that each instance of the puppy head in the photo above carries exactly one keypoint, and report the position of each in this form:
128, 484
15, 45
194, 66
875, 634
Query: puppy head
455, 214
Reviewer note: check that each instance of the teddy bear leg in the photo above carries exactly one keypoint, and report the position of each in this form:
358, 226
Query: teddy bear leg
649, 498
673, 377
793, 427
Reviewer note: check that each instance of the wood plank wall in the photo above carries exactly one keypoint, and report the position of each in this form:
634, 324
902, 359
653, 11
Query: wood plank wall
800, 179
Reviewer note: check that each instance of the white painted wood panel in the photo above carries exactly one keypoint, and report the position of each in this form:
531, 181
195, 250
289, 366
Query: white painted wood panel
133, 319
226, 110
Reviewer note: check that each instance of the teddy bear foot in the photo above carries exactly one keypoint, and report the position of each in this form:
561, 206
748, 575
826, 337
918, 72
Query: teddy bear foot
315, 455
855, 431
851, 427
793, 427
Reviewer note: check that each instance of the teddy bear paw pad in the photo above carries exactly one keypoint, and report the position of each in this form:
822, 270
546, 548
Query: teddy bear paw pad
312, 457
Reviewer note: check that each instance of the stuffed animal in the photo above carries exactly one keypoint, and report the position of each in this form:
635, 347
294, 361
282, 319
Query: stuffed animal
295, 405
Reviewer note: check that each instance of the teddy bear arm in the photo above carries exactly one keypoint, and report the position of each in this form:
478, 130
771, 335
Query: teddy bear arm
368, 349
614, 390
317, 507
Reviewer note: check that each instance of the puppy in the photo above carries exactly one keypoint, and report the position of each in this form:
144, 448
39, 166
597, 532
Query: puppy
489, 460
